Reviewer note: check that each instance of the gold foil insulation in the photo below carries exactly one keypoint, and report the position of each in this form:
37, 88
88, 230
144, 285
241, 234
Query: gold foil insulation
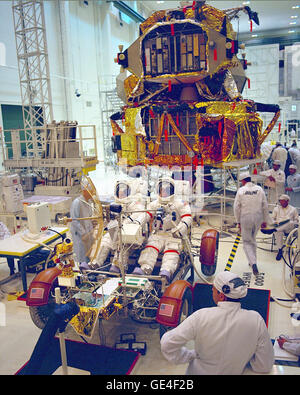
219, 128
218, 132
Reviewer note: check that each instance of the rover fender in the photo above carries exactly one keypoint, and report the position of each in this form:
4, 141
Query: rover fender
169, 309
38, 292
209, 251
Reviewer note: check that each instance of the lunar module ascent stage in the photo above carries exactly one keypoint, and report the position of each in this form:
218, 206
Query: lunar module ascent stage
183, 106
183, 98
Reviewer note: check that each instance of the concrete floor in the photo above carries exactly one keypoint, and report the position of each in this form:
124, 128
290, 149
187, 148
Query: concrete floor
19, 335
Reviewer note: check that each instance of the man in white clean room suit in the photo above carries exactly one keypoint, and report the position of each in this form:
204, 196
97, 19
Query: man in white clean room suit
172, 221
282, 212
82, 231
295, 155
275, 181
293, 187
280, 153
290, 344
251, 212
226, 337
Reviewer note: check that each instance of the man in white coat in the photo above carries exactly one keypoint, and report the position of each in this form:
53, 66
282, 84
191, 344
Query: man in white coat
280, 153
275, 182
82, 231
290, 344
226, 338
293, 187
251, 212
172, 219
294, 153
282, 212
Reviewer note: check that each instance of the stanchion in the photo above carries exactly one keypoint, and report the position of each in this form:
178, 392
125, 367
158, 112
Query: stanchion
62, 342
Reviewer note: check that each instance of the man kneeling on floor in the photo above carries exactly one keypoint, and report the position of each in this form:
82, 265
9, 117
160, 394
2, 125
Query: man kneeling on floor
284, 211
226, 338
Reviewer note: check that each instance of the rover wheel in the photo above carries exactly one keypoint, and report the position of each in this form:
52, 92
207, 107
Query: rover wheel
41, 314
209, 250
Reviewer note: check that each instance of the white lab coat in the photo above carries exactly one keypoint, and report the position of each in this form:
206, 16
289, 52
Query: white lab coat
279, 186
226, 338
250, 210
292, 345
280, 154
280, 214
162, 240
295, 157
81, 231
293, 181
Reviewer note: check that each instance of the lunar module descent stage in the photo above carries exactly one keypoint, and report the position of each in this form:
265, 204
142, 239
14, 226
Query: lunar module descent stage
183, 99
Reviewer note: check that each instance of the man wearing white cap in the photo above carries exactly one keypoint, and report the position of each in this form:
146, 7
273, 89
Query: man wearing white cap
293, 187
226, 337
295, 155
280, 153
251, 212
275, 182
282, 212
82, 231
290, 344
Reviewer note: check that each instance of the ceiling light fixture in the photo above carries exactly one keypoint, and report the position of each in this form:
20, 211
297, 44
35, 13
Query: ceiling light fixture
296, 7
294, 16
293, 23
291, 31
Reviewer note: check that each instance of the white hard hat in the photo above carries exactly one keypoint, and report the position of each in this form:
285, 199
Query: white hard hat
86, 184
231, 285
244, 175
293, 167
284, 197
277, 162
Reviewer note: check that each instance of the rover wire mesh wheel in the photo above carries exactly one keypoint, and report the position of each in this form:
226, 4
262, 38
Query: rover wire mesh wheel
41, 314
186, 309
291, 246
88, 185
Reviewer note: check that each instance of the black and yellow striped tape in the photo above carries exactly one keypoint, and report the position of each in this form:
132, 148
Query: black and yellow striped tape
233, 252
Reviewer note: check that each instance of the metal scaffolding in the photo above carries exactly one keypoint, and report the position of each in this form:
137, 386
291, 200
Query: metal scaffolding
34, 75
59, 149
111, 104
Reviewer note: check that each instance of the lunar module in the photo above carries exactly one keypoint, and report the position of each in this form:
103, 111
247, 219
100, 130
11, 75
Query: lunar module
183, 102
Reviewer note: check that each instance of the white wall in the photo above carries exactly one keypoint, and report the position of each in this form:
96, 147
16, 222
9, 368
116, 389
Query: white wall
263, 73
264, 78
9, 79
